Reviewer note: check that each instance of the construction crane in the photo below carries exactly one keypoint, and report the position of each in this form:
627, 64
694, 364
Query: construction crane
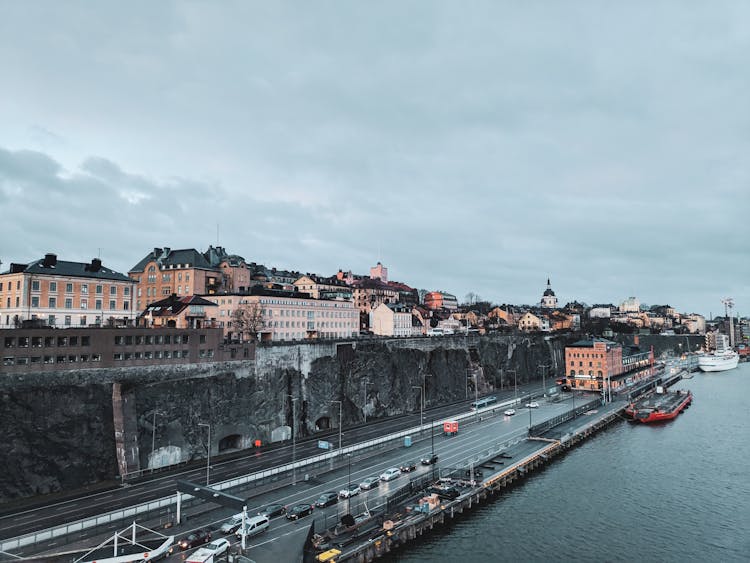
728, 306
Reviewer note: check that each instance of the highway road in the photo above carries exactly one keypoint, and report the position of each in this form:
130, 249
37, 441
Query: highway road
453, 452
16, 522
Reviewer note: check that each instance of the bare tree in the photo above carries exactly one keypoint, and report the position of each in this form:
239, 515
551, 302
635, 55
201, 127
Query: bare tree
248, 320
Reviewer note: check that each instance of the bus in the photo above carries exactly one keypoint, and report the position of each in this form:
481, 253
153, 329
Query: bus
481, 403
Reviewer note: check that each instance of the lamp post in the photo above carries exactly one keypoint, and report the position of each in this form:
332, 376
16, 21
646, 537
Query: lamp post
476, 395
515, 384
153, 437
364, 405
340, 421
208, 448
294, 440
421, 405
544, 367
349, 484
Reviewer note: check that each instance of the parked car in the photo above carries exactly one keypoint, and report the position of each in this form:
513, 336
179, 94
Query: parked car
477, 473
510, 412
218, 546
429, 460
299, 510
194, 539
390, 474
532, 405
231, 525
408, 466
349, 491
369, 483
273, 510
327, 499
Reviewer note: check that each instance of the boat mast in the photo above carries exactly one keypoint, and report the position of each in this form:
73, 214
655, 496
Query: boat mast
728, 306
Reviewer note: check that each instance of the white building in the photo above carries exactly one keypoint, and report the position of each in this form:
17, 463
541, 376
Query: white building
391, 319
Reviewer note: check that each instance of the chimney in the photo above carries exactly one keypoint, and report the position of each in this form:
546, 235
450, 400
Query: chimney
157, 252
96, 265
166, 251
50, 260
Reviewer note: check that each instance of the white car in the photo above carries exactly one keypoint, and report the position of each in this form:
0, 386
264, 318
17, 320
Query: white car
510, 412
390, 474
218, 546
532, 405
349, 491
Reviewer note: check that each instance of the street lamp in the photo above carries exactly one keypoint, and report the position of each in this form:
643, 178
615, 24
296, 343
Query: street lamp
421, 405
340, 421
364, 405
544, 368
294, 440
349, 484
153, 437
208, 448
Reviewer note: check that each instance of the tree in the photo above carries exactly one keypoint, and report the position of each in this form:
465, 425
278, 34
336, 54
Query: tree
248, 320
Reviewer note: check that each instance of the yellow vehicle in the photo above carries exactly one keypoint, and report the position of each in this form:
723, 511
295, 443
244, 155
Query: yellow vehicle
329, 556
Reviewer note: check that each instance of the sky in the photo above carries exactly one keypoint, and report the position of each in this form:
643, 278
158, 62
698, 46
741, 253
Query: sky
478, 147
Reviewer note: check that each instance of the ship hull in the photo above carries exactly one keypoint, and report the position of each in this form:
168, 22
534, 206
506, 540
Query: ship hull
660, 409
723, 362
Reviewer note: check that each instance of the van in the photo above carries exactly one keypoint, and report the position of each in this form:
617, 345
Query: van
253, 525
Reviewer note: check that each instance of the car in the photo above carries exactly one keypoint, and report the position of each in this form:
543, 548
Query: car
369, 483
231, 525
532, 405
253, 526
477, 473
408, 466
349, 491
327, 499
299, 510
510, 412
390, 474
218, 546
429, 460
273, 510
194, 539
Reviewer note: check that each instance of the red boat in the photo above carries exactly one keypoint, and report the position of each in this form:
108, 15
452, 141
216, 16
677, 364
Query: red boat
660, 406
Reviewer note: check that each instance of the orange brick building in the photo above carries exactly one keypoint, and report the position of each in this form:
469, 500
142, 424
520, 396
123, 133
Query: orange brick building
597, 363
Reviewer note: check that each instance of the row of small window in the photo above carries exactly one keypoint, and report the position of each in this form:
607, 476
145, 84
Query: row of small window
84, 304
36, 285
129, 339
580, 364
46, 341
63, 359
151, 291
160, 354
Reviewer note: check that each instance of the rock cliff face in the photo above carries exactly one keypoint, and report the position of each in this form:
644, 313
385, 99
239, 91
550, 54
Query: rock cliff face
73, 429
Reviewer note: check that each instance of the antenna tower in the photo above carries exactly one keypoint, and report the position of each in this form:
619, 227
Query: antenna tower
728, 306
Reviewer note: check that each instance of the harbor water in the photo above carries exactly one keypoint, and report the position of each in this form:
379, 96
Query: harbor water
672, 491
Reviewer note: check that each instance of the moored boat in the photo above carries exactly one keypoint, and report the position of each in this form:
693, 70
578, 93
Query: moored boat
659, 406
721, 359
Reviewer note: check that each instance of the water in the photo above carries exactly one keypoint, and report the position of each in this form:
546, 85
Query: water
678, 491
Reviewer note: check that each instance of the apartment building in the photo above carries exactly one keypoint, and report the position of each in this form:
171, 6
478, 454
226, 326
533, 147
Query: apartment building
440, 300
392, 319
285, 315
58, 293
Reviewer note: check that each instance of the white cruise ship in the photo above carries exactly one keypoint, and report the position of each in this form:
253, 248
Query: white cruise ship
721, 359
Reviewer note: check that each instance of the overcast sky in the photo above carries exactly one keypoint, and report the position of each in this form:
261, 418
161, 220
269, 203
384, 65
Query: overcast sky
470, 147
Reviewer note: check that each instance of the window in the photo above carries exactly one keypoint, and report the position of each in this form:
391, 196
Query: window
35, 285
98, 304
84, 303
126, 291
84, 288
68, 288
99, 289
68, 303
68, 320
112, 304
35, 301
202, 338
73, 341
52, 302
53, 286
51, 320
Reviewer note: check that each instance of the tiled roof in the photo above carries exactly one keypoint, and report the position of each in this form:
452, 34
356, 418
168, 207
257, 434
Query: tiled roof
174, 305
166, 257
93, 269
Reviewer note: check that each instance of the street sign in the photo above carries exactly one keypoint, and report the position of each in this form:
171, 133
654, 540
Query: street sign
323, 445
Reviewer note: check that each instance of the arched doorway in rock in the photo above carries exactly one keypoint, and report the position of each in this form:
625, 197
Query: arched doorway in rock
231, 442
323, 423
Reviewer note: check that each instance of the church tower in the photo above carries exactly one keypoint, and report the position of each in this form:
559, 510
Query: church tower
549, 301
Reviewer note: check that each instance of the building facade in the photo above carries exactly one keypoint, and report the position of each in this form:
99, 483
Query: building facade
440, 300
393, 319
598, 363
58, 293
549, 300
